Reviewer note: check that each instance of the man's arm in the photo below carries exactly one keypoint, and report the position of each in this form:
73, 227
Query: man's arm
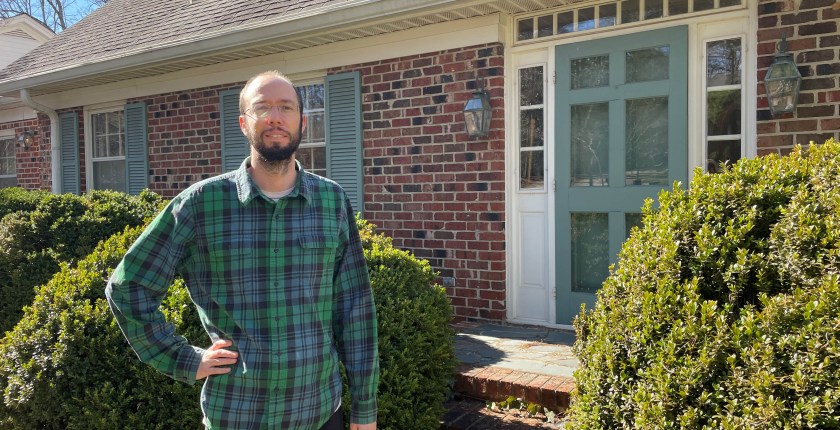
354, 325
137, 288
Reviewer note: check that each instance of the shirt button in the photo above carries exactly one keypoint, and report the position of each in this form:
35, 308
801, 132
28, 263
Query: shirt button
276, 217
276, 318
276, 250
276, 284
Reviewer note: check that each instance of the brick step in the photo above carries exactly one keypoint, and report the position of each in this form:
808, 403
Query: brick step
496, 384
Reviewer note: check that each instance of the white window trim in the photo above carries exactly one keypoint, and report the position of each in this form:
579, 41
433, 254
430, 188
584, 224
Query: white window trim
89, 111
10, 134
517, 132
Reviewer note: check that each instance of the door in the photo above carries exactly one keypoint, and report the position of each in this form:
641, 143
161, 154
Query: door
621, 138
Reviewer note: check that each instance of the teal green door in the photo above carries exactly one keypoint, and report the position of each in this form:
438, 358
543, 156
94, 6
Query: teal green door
620, 118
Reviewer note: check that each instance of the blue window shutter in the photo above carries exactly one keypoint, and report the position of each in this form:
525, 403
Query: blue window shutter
68, 124
234, 144
344, 134
136, 154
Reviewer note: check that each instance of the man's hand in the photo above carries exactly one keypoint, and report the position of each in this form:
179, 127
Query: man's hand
214, 357
354, 426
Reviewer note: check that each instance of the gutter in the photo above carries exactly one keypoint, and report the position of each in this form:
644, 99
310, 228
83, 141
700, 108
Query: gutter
55, 145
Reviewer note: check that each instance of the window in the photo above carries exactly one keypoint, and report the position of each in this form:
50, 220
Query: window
531, 128
107, 157
8, 177
724, 102
312, 152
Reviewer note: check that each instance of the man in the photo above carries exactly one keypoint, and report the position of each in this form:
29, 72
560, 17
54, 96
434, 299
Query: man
272, 259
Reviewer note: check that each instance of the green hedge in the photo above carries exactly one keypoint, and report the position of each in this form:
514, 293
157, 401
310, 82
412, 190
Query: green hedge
45, 229
723, 310
66, 364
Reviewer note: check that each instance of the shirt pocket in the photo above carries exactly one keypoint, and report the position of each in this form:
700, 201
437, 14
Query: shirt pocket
317, 263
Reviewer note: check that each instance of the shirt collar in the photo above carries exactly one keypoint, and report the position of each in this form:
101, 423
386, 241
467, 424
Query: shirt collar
247, 190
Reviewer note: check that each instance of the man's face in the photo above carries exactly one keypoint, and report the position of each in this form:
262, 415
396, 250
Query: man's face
276, 135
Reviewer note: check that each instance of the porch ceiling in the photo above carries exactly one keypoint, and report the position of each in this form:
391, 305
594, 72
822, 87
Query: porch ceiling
448, 11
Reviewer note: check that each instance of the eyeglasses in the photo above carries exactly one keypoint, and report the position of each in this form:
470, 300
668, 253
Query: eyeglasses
263, 111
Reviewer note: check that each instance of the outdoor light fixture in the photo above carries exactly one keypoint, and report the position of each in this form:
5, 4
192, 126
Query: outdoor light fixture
26, 139
782, 81
477, 111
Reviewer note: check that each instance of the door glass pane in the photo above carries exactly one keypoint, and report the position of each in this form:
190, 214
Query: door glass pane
590, 138
722, 152
649, 64
723, 62
531, 86
677, 7
109, 175
565, 22
590, 72
631, 220
531, 169
629, 11
545, 26
531, 128
590, 251
723, 110
525, 29
606, 15
701, 5
653, 9
646, 141
586, 18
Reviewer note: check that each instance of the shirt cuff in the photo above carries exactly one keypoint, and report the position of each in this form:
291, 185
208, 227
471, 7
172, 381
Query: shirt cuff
186, 367
363, 411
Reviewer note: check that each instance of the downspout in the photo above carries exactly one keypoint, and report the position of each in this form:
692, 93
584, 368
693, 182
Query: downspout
55, 144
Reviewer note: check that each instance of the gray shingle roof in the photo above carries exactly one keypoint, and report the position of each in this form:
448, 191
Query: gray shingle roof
123, 27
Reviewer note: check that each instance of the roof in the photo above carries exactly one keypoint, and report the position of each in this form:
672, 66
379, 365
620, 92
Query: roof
25, 26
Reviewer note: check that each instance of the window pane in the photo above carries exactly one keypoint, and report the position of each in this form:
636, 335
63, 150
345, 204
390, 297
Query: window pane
629, 11
590, 72
7, 166
114, 120
565, 22
586, 18
723, 62
525, 29
653, 9
677, 7
545, 26
631, 220
723, 112
99, 121
531, 86
606, 15
109, 175
7, 147
531, 128
727, 3
100, 147
313, 159
650, 64
314, 97
114, 146
315, 128
590, 251
646, 141
590, 145
722, 152
531, 169
8, 182
701, 5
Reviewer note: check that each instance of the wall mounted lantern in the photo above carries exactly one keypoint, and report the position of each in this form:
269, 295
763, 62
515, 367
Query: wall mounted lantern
26, 139
782, 81
477, 111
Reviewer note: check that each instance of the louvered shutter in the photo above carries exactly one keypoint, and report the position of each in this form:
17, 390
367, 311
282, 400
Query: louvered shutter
234, 144
136, 155
68, 124
344, 134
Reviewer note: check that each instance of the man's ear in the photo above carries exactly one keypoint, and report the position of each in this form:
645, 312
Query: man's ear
242, 123
302, 122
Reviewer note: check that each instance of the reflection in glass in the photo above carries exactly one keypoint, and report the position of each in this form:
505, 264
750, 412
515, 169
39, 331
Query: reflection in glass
723, 62
315, 131
100, 147
99, 123
646, 159
531, 128
531, 173
723, 112
649, 64
565, 22
8, 182
677, 7
606, 15
653, 9
727, 3
545, 26
701, 5
590, 251
590, 72
631, 220
109, 175
531, 86
586, 18
313, 159
720, 153
590, 145
629, 11
525, 29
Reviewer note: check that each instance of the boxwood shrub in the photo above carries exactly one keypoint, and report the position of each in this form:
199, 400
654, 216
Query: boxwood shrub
723, 310
66, 364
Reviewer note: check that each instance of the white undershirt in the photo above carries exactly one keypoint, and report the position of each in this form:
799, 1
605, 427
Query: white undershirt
279, 194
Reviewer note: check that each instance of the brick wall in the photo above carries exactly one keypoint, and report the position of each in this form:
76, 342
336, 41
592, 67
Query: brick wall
437, 192
32, 165
812, 28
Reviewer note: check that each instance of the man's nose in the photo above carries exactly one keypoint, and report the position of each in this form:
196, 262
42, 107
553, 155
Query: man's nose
275, 116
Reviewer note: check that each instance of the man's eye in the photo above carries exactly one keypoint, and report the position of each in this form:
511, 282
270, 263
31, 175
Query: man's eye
287, 109
262, 110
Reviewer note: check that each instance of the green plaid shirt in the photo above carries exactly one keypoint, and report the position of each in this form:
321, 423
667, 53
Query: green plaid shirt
285, 281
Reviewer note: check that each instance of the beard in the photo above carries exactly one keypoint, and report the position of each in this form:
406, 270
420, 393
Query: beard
274, 156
